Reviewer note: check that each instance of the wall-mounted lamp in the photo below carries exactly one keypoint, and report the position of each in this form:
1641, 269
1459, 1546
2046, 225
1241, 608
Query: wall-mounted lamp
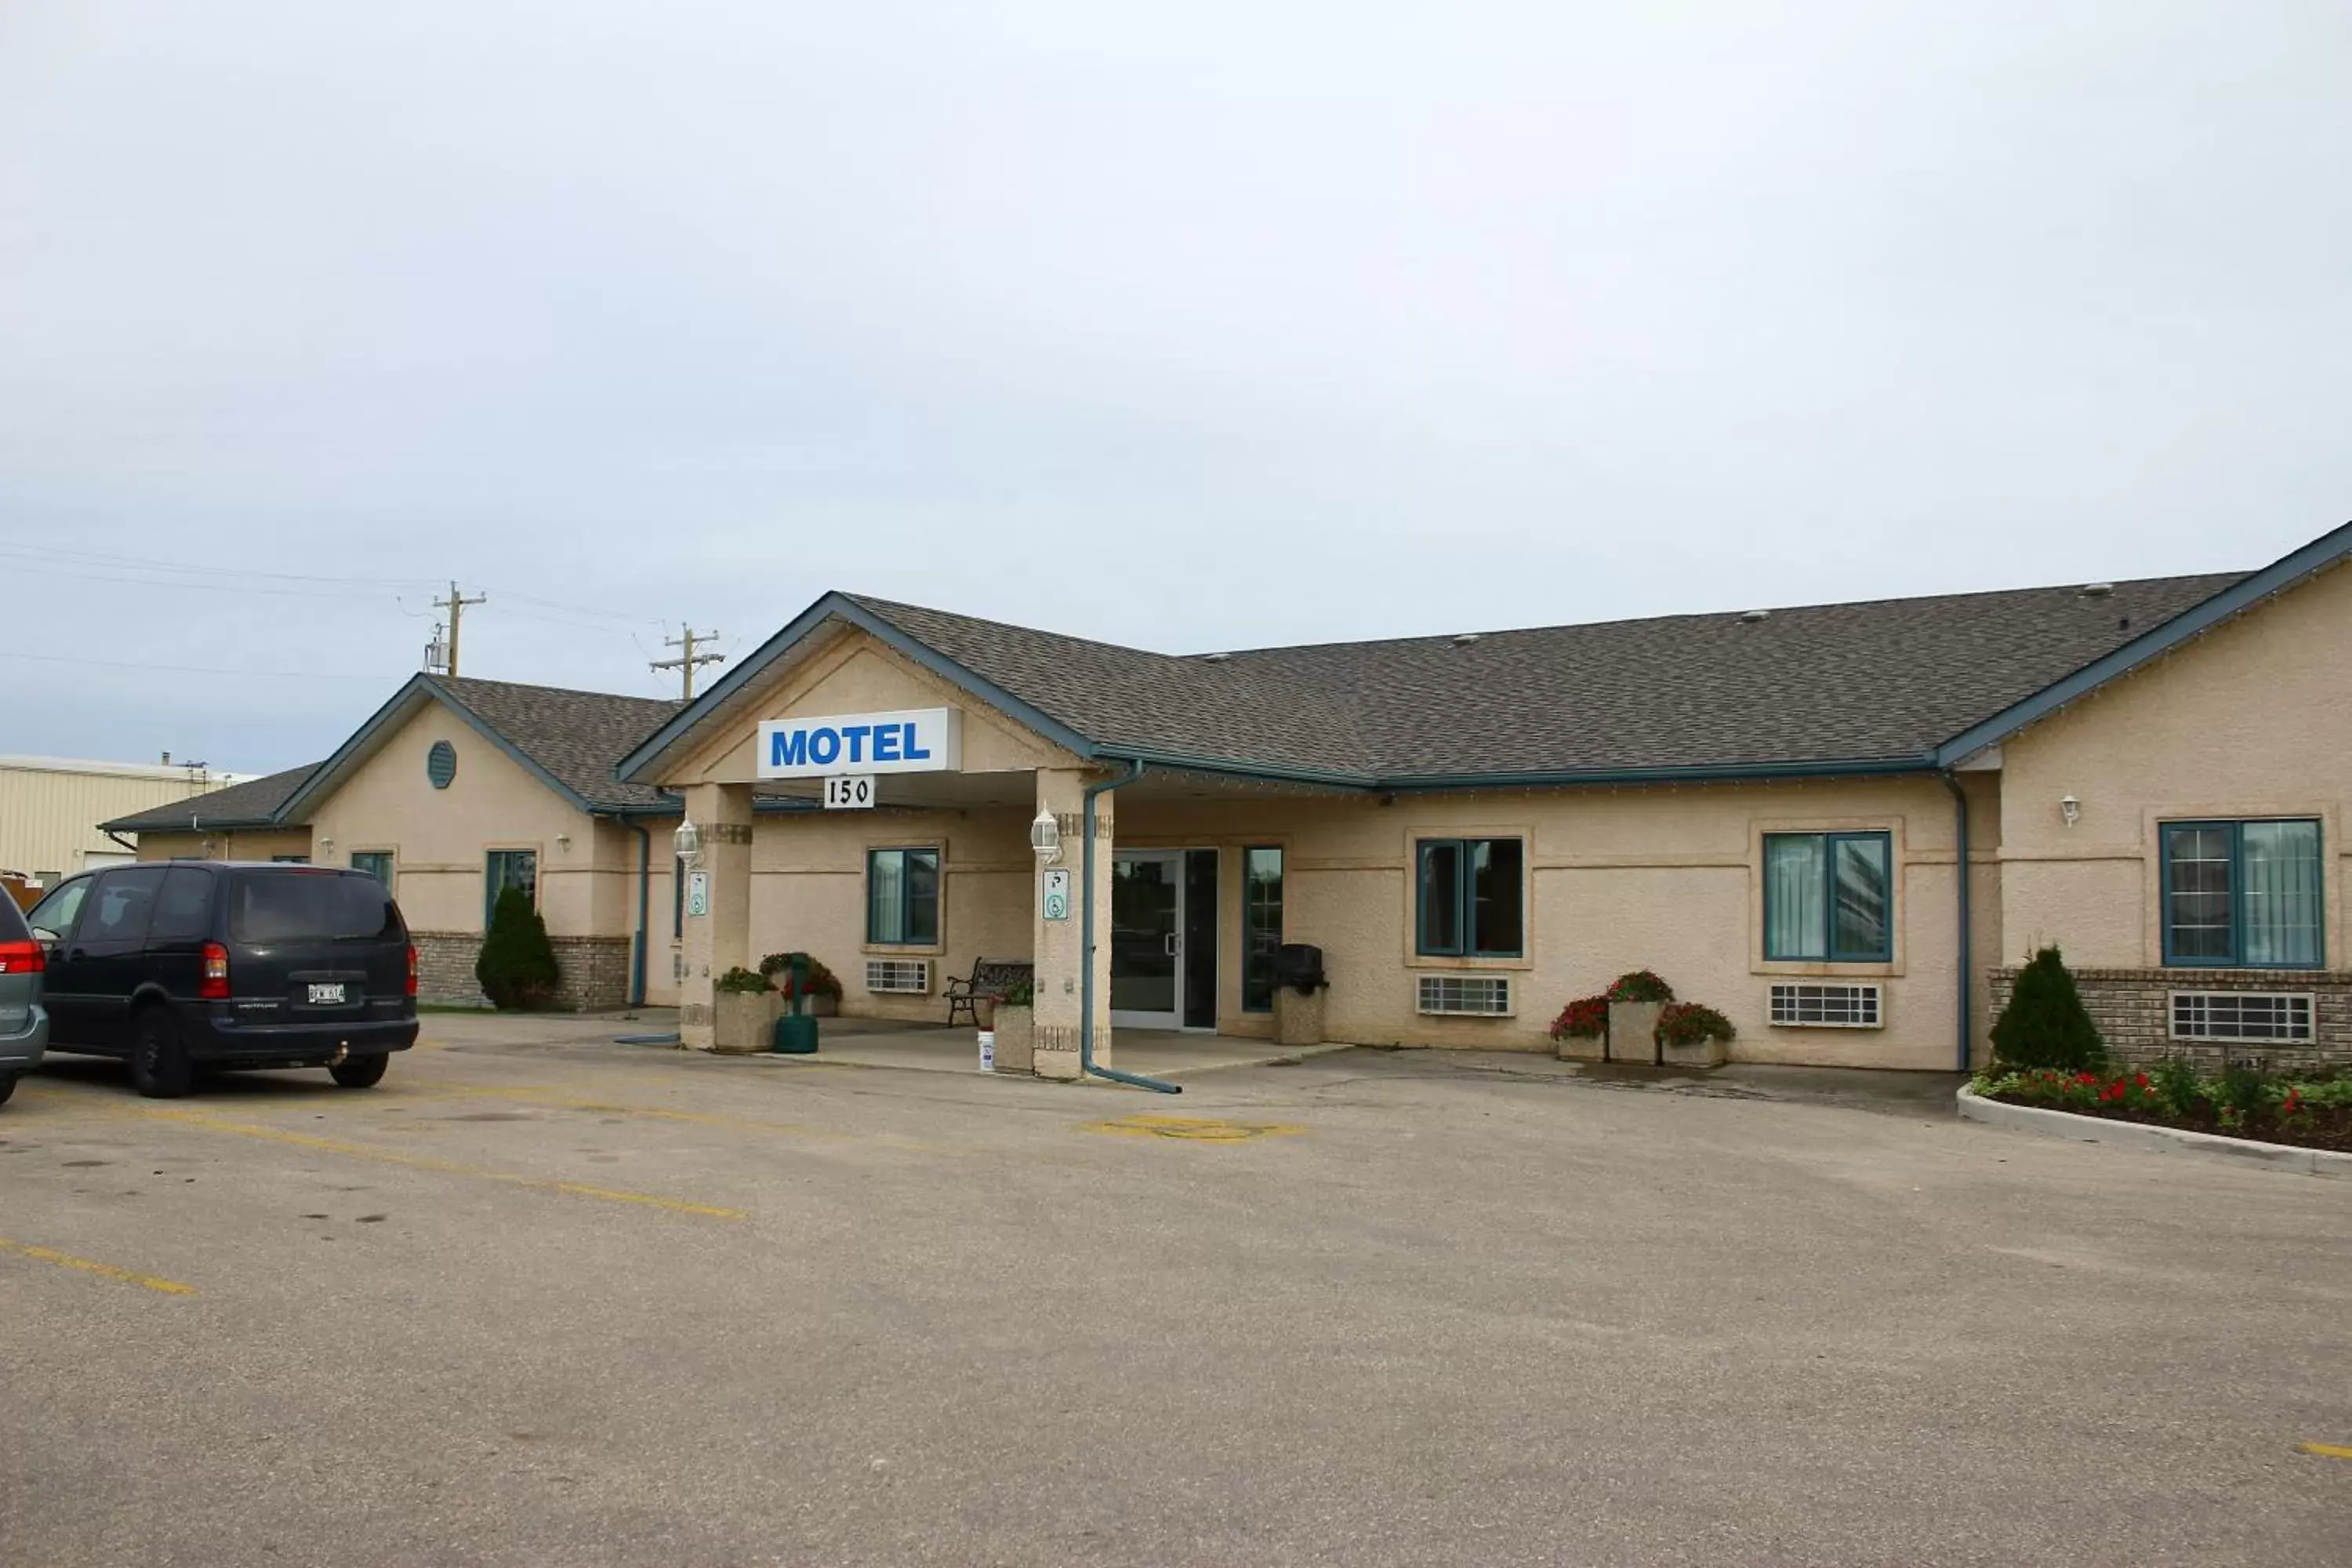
563, 841
688, 840
2071, 809
1046, 838
326, 846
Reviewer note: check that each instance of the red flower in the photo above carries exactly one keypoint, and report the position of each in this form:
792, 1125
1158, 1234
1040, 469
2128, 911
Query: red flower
2140, 1079
2294, 1100
2085, 1078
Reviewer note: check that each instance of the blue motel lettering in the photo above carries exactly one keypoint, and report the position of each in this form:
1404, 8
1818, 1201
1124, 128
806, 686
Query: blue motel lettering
823, 745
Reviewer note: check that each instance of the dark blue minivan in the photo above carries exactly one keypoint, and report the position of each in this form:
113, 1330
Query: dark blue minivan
187, 964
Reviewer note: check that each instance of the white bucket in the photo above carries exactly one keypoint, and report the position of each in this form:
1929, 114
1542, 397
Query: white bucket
987, 1050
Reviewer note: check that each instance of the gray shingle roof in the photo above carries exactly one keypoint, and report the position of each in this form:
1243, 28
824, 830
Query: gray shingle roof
247, 804
1883, 680
577, 736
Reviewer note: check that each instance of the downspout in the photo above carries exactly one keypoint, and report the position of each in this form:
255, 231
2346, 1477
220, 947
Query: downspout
1968, 960
120, 839
645, 900
1086, 951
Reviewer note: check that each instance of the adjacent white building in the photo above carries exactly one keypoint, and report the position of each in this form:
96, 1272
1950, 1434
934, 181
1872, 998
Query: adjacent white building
50, 807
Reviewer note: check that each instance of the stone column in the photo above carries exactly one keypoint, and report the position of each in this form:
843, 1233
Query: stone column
721, 939
1056, 950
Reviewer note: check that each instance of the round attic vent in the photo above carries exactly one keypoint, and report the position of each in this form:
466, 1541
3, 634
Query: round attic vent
441, 764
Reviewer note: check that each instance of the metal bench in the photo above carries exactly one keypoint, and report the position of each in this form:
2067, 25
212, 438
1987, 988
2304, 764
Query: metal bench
990, 977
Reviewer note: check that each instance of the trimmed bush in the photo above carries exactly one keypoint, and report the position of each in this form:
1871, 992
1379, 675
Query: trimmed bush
517, 968
2045, 1023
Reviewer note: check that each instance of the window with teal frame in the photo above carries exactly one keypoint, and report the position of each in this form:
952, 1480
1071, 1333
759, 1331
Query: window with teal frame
1260, 924
1469, 898
1828, 898
902, 898
2246, 895
509, 868
376, 863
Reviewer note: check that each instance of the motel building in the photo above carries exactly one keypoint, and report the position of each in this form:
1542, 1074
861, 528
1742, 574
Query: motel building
1843, 827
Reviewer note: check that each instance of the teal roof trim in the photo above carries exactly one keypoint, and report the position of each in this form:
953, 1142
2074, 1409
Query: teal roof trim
404, 703
841, 607
2329, 549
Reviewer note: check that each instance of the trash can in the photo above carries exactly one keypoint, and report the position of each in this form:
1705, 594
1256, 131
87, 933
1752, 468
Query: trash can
796, 1030
1299, 989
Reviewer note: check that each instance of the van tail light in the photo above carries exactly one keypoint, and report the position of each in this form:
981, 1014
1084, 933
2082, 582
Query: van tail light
213, 983
23, 958
412, 969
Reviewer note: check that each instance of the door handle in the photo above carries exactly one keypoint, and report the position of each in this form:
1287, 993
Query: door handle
1173, 944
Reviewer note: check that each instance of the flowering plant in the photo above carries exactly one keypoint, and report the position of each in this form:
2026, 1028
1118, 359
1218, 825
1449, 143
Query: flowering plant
1690, 1024
1642, 986
1585, 1018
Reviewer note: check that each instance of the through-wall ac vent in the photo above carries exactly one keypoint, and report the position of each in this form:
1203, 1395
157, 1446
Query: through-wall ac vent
1812, 1006
1479, 996
2278, 1016
898, 976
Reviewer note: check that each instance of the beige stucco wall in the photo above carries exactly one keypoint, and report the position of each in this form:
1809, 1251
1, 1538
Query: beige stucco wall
855, 674
2250, 719
250, 844
440, 838
1665, 880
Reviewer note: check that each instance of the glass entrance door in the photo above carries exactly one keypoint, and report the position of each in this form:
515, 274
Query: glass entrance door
1147, 938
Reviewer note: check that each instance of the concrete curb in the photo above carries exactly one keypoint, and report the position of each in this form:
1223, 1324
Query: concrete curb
1975, 1107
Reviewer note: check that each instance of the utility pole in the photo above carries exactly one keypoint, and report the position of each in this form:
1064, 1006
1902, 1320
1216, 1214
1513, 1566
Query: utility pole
456, 605
687, 642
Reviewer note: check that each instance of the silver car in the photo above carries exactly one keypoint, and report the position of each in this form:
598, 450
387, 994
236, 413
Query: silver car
24, 1022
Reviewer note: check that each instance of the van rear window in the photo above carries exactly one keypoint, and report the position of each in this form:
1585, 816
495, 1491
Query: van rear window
296, 906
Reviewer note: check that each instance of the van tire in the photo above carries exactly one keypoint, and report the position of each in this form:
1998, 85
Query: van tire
159, 1068
8, 1086
360, 1072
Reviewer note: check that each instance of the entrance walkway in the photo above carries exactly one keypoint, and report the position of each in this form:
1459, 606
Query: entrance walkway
934, 1048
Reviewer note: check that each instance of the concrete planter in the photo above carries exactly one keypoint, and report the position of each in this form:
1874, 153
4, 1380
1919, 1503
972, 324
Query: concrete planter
1571, 1048
1299, 1016
744, 1024
1633, 1032
1709, 1053
1016, 1040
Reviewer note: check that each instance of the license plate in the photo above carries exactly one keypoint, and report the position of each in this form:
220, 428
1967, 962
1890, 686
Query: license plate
326, 995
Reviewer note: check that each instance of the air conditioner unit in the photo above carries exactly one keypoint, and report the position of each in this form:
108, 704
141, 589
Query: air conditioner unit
898, 976
1477, 995
1814, 1006
2281, 1016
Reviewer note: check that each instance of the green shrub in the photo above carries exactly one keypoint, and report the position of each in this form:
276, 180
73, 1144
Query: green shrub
2178, 1087
740, 981
1021, 994
1642, 986
2045, 1023
517, 967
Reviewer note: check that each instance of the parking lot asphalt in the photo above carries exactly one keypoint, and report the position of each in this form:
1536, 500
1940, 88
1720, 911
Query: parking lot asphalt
544, 1298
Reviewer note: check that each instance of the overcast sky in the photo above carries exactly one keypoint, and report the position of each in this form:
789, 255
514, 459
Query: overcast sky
1231, 325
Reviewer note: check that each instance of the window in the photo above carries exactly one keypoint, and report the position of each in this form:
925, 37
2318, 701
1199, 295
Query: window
1261, 926
376, 863
678, 899
183, 910
289, 906
289, 860
510, 869
2247, 894
1829, 897
124, 901
1468, 897
902, 897
54, 914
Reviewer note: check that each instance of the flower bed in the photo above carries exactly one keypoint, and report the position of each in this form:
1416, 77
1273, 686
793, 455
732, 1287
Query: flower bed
2238, 1103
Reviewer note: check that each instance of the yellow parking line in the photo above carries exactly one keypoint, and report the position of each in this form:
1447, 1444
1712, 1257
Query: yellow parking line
91, 1266
444, 1167
1191, 1129
555, 1100
2327, 1450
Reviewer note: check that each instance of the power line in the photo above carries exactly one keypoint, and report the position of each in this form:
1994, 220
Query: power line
185, 669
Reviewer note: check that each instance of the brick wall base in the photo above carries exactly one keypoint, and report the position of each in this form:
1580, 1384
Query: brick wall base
2133, 1008
594, 970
